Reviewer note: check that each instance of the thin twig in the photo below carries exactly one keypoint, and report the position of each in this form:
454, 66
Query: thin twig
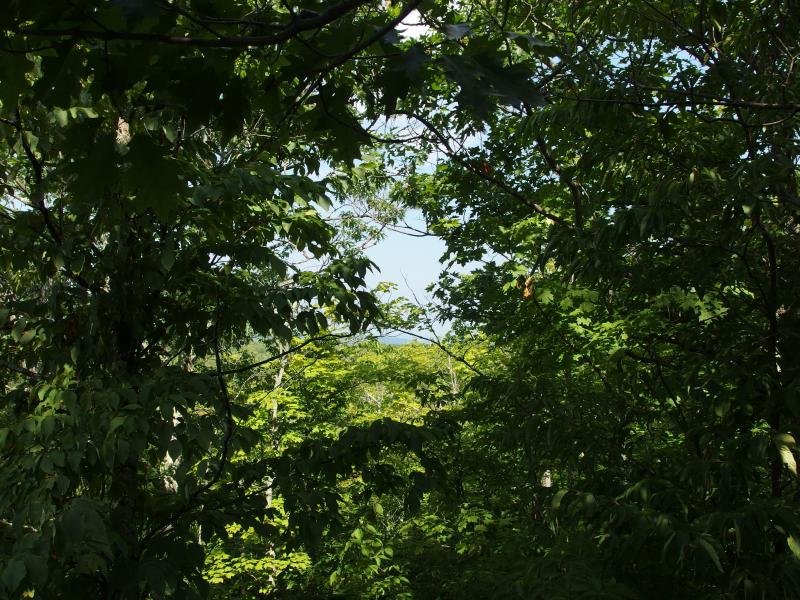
441, 347
282, 354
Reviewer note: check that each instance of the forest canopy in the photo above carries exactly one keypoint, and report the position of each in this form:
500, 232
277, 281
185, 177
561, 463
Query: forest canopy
197, 398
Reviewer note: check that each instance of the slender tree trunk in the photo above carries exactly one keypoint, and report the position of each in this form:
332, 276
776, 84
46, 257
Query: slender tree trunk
124, 520
275, 441
125, 483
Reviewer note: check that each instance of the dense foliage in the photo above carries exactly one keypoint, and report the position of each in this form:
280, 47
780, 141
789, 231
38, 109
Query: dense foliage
192, 405
648, 212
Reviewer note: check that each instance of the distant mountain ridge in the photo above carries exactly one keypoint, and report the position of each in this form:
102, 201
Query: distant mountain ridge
395, 340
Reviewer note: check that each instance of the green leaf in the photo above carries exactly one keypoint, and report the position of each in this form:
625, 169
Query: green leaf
722, 406
61, 117
167, 259
27, 337
116, 423
153, 177
712, 553
533, 44
324, 202
456, 31
785, 444
94, 173
559, 497
85, 110
13, 70
794, 545
412, 61
13, 574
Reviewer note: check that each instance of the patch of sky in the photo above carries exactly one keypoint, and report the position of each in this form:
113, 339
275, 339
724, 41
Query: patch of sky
410, 261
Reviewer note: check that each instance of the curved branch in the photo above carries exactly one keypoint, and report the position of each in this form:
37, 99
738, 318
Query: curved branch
292, 29
441, 347
574, 187
281, 354
343, 58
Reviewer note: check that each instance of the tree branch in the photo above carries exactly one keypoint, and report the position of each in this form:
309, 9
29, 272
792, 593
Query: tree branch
292, 29
538, 209
21, 370
343, 58
38, 190
574, 188
441, 347
39, 202
282, 354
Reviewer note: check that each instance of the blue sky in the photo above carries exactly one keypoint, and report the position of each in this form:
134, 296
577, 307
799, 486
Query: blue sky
410, 262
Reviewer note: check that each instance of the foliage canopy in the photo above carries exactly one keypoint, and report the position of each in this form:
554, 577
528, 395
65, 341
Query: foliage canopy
615, 411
